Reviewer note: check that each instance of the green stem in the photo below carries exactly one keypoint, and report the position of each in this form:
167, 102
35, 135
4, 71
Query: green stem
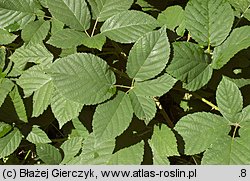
163, 113
26, 156
123, 86
241, 16
200, 98
93, 31
86, 33
206, 101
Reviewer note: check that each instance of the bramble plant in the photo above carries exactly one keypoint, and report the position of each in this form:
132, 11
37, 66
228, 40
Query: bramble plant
124, 82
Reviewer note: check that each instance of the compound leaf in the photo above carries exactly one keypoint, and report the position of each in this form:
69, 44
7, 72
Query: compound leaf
83, 78
18, 11
37, 135
113, 117
10, 142
239, 39
155, 87
229, 100
200, 130
132, 155
163, 144
94, 151
18, 104
206, 22
128, 26
190, 65
48, 154
67, 38
64, 109
35, 32
104, 9
148, 56
74, 13
144, 107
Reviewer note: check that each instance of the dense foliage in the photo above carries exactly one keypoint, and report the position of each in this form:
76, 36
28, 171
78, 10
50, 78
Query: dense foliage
124, 82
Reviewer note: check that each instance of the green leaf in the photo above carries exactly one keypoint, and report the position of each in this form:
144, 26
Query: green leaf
229, 100
42, 98
163, 144
17, 11
172, 17
146, 6
113, 117
83, 78
35, 32
68, 51
2, 58
128, 26
104, 9
190, 65
37, 135
200, 130
56, 26
241, 6
43, 3
67, 38
80, 128
36, 53
48, 154
96, 41
64, 109
209, 21
4, 129
94, 151
18, 104
70, 148
228, 151
32, 80
240, 82
148, 56
155, 87
245, 119
144, 107
239, 39
6, 37
5, 87
10, 143
132, 155
73, 13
